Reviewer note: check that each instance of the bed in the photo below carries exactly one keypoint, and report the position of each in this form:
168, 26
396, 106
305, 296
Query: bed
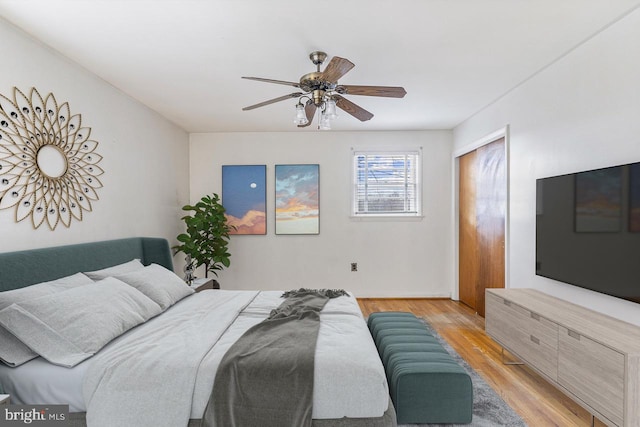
189, 338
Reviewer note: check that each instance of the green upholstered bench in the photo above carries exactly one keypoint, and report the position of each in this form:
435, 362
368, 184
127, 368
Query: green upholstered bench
378, 327
395, 332
399, 338
425, 383
381, 315
413, 347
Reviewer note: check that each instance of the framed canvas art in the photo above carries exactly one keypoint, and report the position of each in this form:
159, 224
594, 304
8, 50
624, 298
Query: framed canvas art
244, 198
297, 199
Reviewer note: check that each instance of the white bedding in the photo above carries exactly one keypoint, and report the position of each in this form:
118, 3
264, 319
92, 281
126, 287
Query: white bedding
40, 382
349, 377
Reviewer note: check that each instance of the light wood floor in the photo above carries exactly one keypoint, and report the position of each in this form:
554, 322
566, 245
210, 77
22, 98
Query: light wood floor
535, 400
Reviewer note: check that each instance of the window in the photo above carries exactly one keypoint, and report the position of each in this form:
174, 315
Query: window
386, 183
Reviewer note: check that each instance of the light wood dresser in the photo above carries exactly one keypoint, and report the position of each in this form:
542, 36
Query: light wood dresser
591, 357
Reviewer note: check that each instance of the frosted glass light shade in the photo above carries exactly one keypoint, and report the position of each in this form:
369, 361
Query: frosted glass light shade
301, 116
330, 109
325, 124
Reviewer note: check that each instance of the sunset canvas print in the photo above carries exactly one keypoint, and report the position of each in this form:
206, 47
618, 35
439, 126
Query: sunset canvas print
297, 199
244, 198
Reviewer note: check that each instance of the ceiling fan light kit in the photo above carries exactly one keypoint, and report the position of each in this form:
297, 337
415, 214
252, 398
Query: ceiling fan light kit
322, 92
325, 123
301, 116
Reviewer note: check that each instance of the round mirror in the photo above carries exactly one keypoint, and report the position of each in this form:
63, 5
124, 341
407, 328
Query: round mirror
51, 161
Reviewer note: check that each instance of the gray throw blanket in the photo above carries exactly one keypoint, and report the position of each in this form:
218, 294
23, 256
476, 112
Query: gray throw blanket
266, 377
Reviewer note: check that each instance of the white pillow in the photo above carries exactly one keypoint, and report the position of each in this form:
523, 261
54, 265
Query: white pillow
123, 268
41, 289
14, 352
69, 327
161, 285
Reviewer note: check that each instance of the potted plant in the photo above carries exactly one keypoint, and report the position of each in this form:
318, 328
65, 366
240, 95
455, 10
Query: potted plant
207, 237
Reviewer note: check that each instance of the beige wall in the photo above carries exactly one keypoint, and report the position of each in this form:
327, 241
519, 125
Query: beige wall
578, 114
395, 257
146, 164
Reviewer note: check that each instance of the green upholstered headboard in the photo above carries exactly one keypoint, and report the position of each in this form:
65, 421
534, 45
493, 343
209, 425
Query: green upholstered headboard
24, 268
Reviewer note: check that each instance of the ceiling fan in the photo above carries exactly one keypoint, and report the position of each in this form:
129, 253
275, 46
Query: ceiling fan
321, 91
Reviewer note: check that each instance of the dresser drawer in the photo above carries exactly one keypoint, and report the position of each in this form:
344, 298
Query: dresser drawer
597, 356
531, 337
493, 324
592, 372
540, 328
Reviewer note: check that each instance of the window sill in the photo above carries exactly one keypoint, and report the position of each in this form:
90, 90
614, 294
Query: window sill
387, 218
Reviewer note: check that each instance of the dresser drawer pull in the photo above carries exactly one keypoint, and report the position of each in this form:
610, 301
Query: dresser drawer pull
534, 339
574, 334
535, 316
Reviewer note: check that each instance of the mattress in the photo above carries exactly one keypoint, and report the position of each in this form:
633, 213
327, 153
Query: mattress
40, 382
349, 377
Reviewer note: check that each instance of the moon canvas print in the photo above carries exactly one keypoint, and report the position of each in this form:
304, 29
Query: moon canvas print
297, 199
244, 198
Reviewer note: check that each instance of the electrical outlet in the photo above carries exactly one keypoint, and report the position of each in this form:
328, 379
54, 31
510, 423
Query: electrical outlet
354, 266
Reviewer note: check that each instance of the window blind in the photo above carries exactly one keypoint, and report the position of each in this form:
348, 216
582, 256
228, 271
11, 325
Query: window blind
386, 183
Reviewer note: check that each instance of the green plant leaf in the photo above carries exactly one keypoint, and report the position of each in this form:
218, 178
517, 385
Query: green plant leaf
207, 234
183, 238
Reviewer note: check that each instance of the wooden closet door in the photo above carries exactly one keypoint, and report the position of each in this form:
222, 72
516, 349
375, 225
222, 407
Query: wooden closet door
482, 207
491, 199
468, 236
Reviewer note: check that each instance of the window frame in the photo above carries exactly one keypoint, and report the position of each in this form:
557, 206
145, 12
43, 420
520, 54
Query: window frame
415, 151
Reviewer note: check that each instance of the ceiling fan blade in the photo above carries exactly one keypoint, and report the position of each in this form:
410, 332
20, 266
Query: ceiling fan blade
310, 110
388, 91
280, 82
337, 68
353, 109
274, 100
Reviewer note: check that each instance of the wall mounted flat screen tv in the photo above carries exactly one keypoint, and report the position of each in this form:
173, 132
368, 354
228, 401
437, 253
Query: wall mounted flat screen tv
588, 230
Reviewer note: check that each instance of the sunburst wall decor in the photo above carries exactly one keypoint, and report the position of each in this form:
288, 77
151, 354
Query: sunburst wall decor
48, 164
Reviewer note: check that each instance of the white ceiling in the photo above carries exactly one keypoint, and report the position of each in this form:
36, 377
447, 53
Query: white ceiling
184, 58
